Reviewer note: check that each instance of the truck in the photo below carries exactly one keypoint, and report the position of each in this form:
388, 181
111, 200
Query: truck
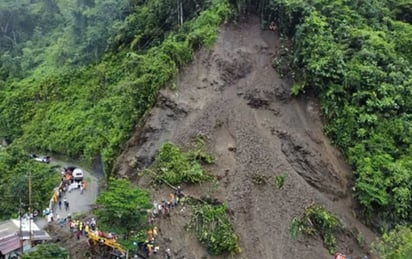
78, 174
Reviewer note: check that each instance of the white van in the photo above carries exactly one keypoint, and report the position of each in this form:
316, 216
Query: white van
77, 174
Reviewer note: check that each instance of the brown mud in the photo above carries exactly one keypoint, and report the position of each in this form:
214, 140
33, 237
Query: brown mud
232, 96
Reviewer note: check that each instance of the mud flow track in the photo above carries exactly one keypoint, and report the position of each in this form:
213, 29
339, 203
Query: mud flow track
231, 95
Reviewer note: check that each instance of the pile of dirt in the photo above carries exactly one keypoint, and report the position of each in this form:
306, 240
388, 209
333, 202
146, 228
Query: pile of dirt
63, 237
232, 97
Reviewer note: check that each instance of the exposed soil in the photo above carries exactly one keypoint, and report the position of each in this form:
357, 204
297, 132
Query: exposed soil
232, 96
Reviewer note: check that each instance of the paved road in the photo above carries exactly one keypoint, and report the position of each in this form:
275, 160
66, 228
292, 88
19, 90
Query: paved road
78, 203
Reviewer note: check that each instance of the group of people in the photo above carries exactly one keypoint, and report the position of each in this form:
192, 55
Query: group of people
160, 209
81, 228
81, 185
163, 208
149, 245
68, 183
65, 203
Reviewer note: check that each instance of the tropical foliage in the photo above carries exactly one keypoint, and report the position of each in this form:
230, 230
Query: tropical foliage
317, 220
122, 208
16, 170
47, 251
75, 76
176, 166
356, 56
214, 229
397, 244
84, 103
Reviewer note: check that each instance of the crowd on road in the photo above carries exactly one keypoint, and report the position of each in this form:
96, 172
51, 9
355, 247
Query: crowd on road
67, 184
72, 178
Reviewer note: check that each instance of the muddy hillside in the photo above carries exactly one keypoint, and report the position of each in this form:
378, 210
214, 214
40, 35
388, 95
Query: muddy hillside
232, 96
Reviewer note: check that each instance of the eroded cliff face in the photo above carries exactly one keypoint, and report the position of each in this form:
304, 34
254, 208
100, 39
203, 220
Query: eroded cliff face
232, 96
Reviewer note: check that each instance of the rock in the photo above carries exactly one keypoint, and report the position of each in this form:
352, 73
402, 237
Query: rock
232, 149
282, 92
133, 162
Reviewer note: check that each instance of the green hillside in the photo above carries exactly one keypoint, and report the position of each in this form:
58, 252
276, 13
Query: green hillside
76, 76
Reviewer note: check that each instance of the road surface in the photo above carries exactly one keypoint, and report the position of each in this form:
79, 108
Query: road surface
78, 203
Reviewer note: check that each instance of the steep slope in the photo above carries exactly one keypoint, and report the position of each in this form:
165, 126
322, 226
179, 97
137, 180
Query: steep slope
232, 96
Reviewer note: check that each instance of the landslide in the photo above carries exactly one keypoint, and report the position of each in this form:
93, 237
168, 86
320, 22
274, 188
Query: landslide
232, 96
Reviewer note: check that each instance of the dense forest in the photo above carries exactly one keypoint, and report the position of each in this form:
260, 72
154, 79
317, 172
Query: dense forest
76, 76
356, 56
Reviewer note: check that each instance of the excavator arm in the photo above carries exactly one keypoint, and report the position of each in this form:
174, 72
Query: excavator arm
107, 242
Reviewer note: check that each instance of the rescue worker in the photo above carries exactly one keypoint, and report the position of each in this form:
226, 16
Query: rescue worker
87, 229
339, 256
172, 200
150, 234
155, 231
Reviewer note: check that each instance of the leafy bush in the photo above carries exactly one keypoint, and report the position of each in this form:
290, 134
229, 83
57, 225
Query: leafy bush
317, 220
175, 166
214, 229
397, 244
280, 180
122, 207
198, 152
297, 226
47, 251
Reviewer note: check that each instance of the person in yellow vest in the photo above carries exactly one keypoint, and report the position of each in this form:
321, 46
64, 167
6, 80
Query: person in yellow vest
150, 250
87, 229
81, 227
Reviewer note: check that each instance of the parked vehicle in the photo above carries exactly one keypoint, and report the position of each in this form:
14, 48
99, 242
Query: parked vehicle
43, 159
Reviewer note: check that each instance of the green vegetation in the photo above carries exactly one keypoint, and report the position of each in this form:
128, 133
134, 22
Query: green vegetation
280, 180
14, 183
396, 244
83, 108
76, 75
354, 55
317, 220
214, 229
122, 208
175, 166
198, 151
47, 251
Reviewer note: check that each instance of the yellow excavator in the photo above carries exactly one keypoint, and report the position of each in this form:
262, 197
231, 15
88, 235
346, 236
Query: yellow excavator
117, 251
